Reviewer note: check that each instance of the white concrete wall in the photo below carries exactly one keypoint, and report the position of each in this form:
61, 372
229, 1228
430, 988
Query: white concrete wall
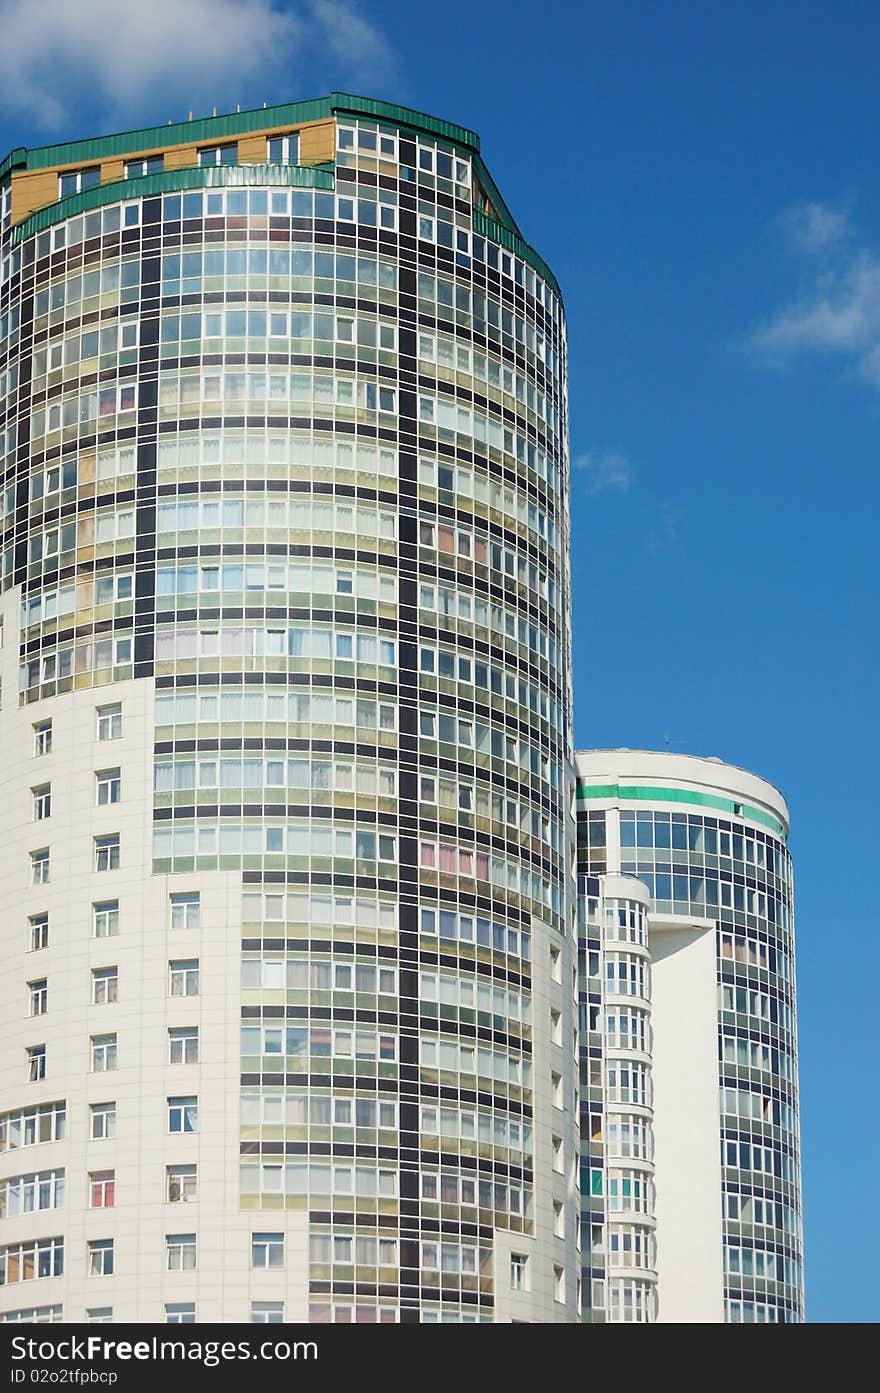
686, 1155
223, 1284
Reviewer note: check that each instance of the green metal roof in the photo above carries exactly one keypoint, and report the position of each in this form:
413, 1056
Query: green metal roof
207, 130
210, 129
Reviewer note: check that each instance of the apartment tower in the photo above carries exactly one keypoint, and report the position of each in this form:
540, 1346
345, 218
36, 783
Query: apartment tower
287, 966
690, 1154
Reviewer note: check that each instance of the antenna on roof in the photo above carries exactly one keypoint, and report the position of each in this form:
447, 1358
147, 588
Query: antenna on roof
667, 741
264, 106
213, 111
190, 116
238, 106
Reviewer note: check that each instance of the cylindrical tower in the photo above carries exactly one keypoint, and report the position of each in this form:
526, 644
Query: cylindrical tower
709, 842
287, 975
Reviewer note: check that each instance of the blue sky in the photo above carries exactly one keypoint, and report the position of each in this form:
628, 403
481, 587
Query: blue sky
702, 177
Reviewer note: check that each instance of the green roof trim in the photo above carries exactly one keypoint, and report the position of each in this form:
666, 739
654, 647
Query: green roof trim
505, 217
512, 242
175, 181
209, 130
637, 793
16, 159
345, 103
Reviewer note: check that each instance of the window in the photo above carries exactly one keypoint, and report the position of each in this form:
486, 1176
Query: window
42, 802
556, 1027
555, 964
103, 1053
102, 1189
38, 995
31, 1258
283, 149
181, 1252
40, 866
556, 1144
99, 1315
180, 1313
183, 1044
43, 738
109, 785
185, 910
136, 169
556, 1088
559, 1218
184, 977
27, 1194
102, 1121
32, 1126
519, 1269
110, 722
105, 918
267, 1313
183, 1114
36, 1063
105, 985
181, 1184
218, 154
76, 180
34, 1315
39, 931
558, 1283
101, 1257
267, 1250
107, 852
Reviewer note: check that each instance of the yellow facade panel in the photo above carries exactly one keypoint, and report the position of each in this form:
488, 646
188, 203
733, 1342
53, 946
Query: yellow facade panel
32, 189
180, 157
252, 149
317, 142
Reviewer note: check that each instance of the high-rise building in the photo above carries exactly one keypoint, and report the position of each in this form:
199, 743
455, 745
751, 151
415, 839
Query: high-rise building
293, 943
690, 1156
287, 959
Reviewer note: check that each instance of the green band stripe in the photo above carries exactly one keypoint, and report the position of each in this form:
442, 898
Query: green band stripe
636, 793
175, 181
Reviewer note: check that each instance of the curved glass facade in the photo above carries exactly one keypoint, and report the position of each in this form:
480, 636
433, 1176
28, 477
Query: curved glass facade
284, 512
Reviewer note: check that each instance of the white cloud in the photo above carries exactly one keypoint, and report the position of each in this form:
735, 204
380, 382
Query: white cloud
128, 54
604, 471
350, 37
813, 227
839, 311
